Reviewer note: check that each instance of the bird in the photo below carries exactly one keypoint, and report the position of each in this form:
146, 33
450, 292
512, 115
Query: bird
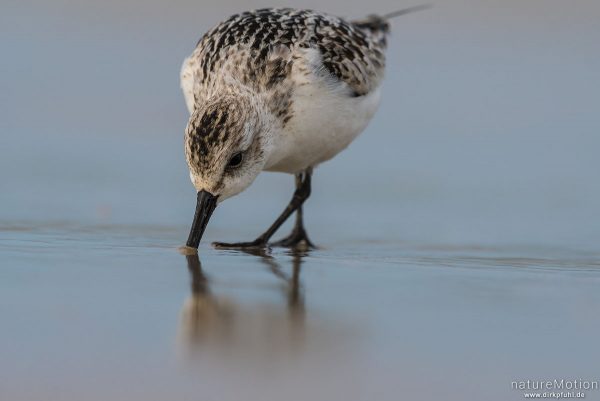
282, 90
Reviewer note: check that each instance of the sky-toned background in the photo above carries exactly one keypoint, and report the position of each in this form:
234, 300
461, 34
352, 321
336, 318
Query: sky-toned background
490, 108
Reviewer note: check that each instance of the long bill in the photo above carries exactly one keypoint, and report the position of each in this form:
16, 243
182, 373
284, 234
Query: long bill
205, 206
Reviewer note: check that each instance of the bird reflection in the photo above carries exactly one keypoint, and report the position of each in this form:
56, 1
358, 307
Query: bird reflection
204, 315
212, 320
293, 289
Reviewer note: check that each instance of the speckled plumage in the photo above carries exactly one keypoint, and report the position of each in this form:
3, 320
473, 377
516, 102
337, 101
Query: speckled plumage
260, 47
277, 90
289, 88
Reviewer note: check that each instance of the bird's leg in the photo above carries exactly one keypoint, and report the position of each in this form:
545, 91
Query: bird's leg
298, 235
301, 194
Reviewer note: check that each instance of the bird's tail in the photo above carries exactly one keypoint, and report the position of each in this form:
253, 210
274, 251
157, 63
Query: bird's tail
379, 25
405, 11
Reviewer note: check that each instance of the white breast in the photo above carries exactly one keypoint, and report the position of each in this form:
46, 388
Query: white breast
325, 121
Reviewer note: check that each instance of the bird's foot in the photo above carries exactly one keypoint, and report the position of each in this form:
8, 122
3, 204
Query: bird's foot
256, 244
298, 239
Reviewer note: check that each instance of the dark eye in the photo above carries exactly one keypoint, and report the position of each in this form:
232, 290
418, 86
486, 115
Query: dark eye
235, 160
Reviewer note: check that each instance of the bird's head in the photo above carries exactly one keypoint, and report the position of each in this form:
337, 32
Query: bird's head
227, 142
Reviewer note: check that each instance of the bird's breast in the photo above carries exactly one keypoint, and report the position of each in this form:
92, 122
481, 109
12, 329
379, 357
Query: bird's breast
324, 122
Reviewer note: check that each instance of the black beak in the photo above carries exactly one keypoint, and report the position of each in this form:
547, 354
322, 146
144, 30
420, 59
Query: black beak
205, 206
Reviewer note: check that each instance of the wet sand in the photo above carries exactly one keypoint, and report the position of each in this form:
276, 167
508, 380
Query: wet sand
89, 316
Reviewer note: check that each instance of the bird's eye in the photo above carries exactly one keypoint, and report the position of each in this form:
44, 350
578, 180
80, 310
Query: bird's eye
235, 160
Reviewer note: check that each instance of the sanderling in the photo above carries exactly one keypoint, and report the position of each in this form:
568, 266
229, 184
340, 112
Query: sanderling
277, 90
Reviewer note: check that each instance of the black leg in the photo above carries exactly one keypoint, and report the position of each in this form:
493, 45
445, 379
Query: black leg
298, 237
301, 194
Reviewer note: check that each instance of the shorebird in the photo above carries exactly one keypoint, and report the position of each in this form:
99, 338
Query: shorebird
277, 90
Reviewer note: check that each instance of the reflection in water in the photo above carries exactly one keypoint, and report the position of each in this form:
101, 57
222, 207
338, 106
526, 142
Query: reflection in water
204, 315
215, 321
293, 289
250, 336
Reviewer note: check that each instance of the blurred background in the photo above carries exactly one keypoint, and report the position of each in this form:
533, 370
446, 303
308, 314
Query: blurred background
487, 132
459, 234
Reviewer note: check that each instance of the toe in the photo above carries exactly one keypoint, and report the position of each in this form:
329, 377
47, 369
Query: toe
239, 245
294, 242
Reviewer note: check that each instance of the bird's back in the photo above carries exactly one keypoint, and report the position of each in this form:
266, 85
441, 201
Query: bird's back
317, 74
260, 48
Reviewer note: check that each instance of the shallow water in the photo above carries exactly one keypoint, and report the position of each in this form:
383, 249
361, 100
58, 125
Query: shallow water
459, 236
115, 312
